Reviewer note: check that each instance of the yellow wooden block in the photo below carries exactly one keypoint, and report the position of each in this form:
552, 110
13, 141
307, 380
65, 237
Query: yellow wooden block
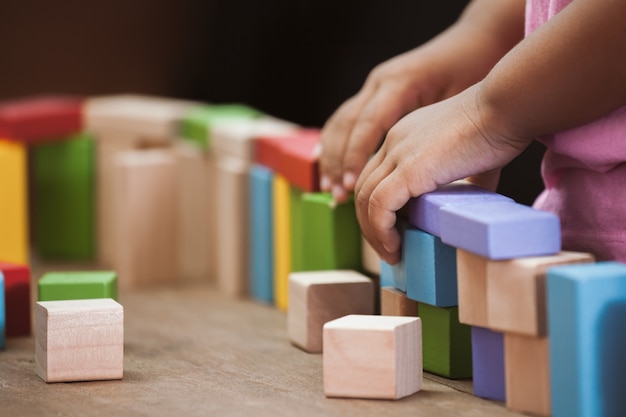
282, 244
14, 207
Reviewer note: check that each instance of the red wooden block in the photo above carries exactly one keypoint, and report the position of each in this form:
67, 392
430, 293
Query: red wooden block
297, 163
39, 119
17, 298
267, 150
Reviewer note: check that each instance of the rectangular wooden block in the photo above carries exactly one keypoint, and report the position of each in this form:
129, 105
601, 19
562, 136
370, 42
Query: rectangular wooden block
393, 275
3, 323
424, 210
296, 231
261, 253
64, 195
146, 213
17, 299
321, 296
516, 292
79, 340
500, 230
488, 364
430, 269
14, 207
447, 343
394, 302
297, 162
330, 232
472, 288
372, 357
40, 118
77, 285
527, 370
370, 259
282, 242
586, 312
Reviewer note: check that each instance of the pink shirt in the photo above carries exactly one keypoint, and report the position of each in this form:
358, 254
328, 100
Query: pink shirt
584, 171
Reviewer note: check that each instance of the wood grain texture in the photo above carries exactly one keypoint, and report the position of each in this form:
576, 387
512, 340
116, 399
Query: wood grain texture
472, 288
79, 340
394, 302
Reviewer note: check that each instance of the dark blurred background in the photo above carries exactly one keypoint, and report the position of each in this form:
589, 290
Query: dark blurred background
294, 59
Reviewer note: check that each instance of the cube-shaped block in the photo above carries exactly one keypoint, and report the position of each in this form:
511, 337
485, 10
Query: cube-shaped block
586, 313
424, 210
447, 344
79, 340
394, 302
17, 299
77, 285
516, 292
372, 357
500, 230
430, 269
318, 297
488, 364
261, 234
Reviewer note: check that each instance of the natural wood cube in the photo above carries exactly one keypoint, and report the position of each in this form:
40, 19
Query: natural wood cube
372, 357
79, 340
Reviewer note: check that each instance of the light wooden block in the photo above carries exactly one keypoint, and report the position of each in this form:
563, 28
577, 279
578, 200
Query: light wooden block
146, 212
14, 207
282, 242
372, 357
527, 372
370, 259
17, 298
79, 340
394, 302
516, 292
321, 296
472, 288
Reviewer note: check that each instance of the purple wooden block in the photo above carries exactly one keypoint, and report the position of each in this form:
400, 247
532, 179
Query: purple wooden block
501, 230
488, 364
424, 210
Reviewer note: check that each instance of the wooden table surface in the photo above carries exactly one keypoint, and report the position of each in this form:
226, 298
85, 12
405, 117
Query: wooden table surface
191, 352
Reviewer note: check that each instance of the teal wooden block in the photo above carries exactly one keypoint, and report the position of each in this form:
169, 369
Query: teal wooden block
447, 344
261, 234
77, 285
296, 238
2, 314
586, 316
430, 269
331, 237
63, 176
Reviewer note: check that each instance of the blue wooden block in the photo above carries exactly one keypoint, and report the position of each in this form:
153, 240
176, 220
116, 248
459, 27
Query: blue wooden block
586, 316
393, 275
2, 313
261, 234
424, 210
488, 364
430, 269
501, 230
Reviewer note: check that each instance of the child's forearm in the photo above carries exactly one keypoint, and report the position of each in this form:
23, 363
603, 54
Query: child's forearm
570, 71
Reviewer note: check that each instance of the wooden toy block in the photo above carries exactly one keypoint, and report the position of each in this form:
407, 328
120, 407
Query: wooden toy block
393, 275
424, 210
472, 288
394, 302
516, 292
447, 343
527, 370
331, 234
297, 162
261, 234
196, 213
488, 364
430, 269
146, 213
372, 357
14, 207
40, 118
198, 121
2, 313
17, 299
63, 192
321, 296
77, 285
369, 257
282, 242
79, 340
297, 237
500, 230
586, 311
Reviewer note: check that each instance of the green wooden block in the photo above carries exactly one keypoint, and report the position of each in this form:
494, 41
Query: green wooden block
331, 237
196, 125
77, 285
295, 210
63, 175
446, 343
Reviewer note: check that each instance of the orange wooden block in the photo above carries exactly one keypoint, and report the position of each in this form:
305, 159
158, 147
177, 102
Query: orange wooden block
472, 288
527, 374
394, 302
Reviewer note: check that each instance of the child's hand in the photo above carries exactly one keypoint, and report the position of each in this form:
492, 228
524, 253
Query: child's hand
432, 146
